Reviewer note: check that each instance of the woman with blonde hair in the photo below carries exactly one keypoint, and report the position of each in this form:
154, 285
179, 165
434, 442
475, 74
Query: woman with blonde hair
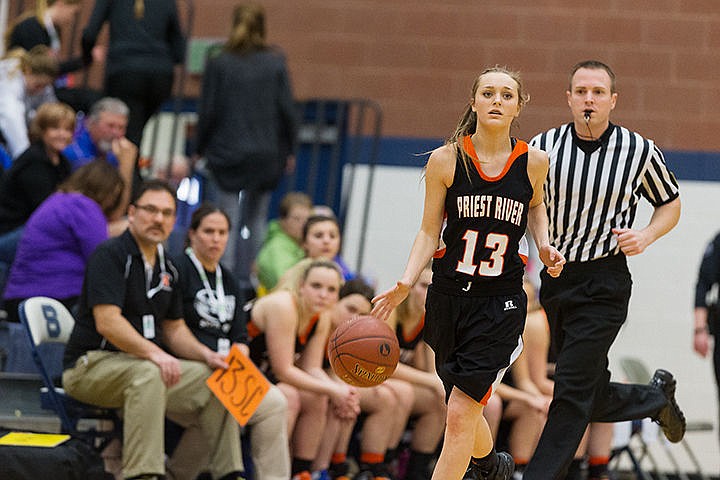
385, 408
34, 175
289, 335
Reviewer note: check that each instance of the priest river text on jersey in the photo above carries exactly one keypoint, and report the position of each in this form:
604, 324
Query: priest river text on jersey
500, 208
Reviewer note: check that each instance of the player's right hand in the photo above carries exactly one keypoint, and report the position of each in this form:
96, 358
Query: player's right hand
386, 302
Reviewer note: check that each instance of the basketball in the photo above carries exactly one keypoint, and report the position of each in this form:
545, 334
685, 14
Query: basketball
364, 351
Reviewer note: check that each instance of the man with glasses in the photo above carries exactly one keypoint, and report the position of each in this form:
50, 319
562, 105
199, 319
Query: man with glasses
131, 349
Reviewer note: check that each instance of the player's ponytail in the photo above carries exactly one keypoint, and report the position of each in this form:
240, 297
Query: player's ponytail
466, 126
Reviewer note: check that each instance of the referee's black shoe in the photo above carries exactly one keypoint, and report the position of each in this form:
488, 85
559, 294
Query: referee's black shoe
502, 470
670, 417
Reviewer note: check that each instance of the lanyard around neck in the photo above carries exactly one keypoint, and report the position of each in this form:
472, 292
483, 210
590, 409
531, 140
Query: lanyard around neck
163, 274
217, 296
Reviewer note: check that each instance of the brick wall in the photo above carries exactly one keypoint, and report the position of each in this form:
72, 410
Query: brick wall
419, 58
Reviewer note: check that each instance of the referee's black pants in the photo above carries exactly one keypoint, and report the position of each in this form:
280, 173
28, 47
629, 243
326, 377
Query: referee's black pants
586, 306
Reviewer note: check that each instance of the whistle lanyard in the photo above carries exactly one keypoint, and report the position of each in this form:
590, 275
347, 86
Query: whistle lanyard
164, 278
217, 296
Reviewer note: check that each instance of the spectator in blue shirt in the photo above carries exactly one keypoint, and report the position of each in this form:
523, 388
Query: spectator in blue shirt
107, 121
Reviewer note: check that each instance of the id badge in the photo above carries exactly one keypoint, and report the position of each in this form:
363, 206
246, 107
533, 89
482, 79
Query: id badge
148, 326
223, 347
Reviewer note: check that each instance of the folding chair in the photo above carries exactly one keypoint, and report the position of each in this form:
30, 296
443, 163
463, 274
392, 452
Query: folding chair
625, 445
636, 372
46, 320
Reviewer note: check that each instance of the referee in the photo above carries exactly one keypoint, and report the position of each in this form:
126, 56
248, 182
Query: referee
598, 173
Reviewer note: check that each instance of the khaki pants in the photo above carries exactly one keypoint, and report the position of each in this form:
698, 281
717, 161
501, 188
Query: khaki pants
268, 439
119, 380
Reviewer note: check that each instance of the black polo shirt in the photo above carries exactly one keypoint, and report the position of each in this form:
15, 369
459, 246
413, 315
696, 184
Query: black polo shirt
115, 275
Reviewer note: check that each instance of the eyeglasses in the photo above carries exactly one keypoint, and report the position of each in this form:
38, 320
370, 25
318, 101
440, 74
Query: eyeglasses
152, 210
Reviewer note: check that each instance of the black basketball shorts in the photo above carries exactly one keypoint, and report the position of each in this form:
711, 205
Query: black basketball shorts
475, 339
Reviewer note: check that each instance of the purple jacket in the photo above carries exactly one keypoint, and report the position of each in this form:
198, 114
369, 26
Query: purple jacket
55, 245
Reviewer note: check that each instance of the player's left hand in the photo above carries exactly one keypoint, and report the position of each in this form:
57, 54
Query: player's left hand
631, 242
552, 259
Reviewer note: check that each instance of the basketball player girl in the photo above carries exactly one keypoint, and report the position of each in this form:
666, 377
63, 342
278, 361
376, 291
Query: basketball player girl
483, 188
386, 406
288, 340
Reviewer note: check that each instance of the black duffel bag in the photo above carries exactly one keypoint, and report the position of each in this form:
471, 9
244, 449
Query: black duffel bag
73, 459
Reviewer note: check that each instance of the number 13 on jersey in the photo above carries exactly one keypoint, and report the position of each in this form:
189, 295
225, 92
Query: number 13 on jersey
488, 268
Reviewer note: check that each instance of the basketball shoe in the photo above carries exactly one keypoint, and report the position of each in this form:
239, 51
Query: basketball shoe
670, 417
502, 470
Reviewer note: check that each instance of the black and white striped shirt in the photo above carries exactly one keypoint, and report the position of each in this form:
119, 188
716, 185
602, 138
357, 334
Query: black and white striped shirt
589, 194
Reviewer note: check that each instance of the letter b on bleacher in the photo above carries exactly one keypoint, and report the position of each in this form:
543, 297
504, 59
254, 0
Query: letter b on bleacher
53, 325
